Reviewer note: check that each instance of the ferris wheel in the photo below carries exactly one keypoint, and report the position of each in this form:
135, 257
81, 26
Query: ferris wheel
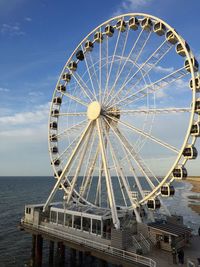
124, 116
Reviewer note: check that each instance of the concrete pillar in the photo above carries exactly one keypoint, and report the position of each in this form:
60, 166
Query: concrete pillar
51, 252
72, 253
32, 261
38, 251
102, 263
60, 254
80, 256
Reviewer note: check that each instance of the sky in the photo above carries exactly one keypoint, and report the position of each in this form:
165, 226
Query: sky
36, 39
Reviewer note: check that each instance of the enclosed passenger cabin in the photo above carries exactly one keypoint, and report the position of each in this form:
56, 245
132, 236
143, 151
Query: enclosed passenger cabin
146, 24
58, 174
61, 88
56, 162
197, 84
121, 25
180, 49
190, 152
153, 204
66, 77
159, 28
55, 113
80, 55
180, 172
109, 30
88, 45
167, 190
197, 106
98, 37
53, 125
57, 100
133, 23
195, 64
171, 37
73, 66
54, 149
195, 129
53, 138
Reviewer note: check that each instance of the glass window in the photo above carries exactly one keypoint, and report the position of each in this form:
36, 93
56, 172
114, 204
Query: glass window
166, 238
53, 216
96, 227
60, 218
68, 220
77, 222
86, 224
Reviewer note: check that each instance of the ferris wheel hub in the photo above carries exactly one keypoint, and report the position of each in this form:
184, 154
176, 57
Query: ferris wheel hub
94, 110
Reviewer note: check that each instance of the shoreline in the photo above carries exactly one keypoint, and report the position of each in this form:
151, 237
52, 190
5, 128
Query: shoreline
194, 201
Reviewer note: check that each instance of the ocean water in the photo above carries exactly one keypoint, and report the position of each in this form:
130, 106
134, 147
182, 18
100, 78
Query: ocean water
15, 245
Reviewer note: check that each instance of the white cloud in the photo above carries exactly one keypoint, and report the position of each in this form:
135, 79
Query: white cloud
130, 6
28, 19
4, 90
26, 118
11, 30
161, 69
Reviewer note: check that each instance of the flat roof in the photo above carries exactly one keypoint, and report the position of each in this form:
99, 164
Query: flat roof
170, 228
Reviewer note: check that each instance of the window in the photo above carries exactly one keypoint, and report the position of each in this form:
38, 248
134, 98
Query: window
68, 220
60, 218
166, 238
96, 227
77, 222
53, 216
28, 210
86, 224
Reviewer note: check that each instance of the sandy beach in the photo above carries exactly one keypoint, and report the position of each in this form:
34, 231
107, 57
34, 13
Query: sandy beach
194, 200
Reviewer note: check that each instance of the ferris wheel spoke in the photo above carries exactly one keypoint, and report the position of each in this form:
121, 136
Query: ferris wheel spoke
119, 64
111, 197
82, 85
107, 53
69, 147
89, 74
136, 157
94, 72
141, 45
133, 154
127, 58
91, 162
151, 111
72, 128
153, 87
80, 162
116, 167
141, 132
112, 61
146, 67
121, 174
76, 99
72, 114
100, 74
67, 166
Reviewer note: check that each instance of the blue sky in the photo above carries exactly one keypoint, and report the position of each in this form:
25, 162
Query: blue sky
36, 39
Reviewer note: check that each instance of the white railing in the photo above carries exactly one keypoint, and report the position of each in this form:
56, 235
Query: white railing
127, 256
145, 242
136, 243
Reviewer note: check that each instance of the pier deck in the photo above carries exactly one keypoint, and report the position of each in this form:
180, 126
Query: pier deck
191, 253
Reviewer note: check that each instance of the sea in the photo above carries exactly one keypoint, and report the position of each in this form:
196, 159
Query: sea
15, 245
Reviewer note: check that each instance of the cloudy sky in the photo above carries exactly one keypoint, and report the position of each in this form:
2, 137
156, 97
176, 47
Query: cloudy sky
36, 39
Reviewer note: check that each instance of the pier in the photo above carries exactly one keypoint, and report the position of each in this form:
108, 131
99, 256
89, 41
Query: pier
86, 233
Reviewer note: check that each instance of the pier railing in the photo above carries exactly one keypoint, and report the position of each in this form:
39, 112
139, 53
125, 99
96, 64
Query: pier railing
123, 254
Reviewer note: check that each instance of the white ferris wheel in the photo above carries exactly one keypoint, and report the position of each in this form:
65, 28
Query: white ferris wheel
124, 116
